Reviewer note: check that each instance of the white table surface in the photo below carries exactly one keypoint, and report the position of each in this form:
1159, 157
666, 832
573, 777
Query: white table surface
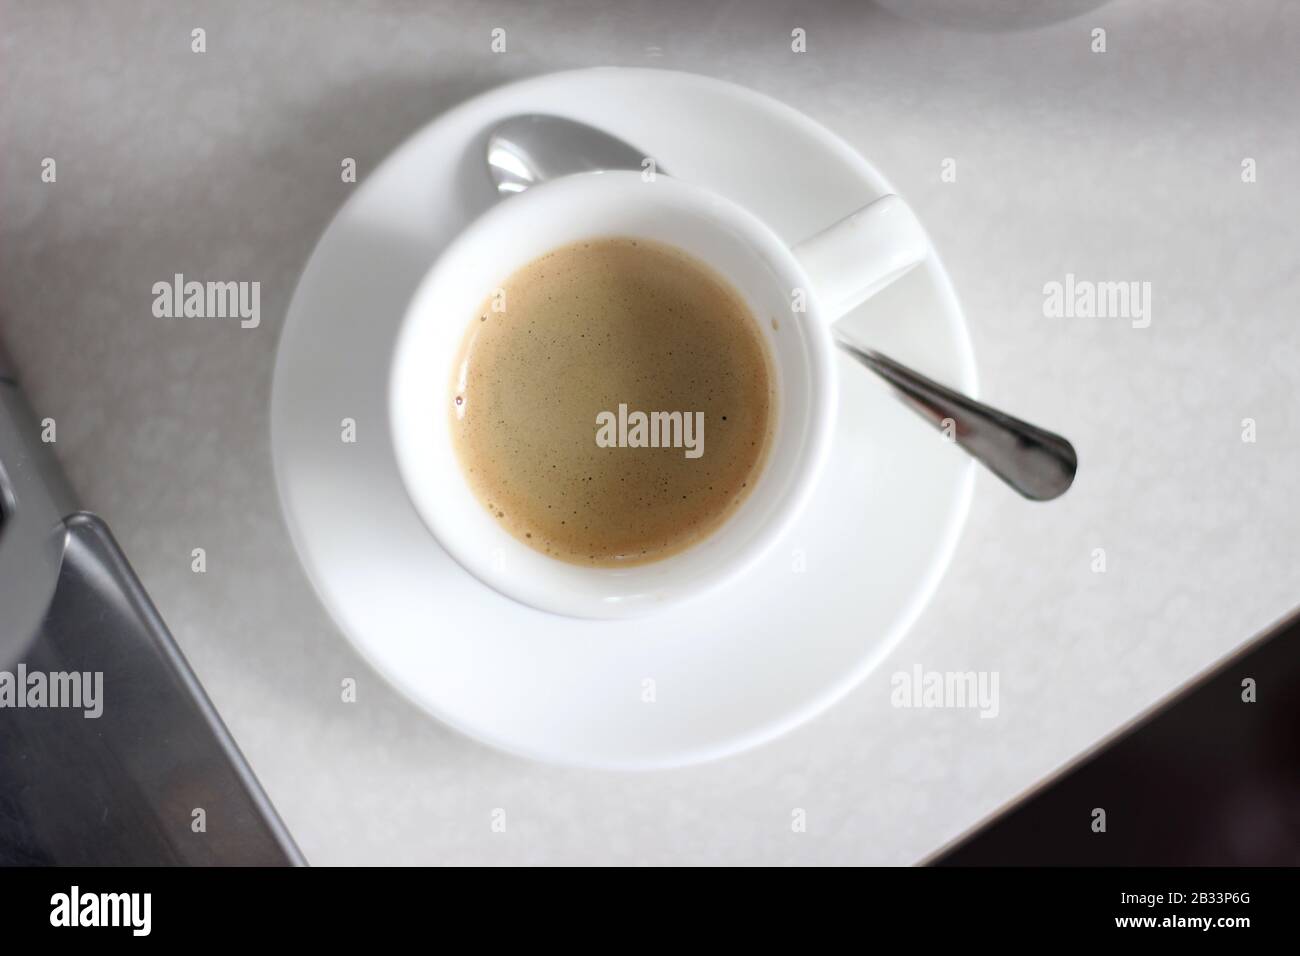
1118, 166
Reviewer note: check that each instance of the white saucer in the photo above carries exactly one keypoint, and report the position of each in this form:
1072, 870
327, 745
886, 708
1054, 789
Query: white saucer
772, 650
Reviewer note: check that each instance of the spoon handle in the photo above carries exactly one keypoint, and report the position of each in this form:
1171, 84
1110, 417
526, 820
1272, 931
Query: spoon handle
1037, 463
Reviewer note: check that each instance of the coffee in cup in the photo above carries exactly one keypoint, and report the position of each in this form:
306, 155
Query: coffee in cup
613, 402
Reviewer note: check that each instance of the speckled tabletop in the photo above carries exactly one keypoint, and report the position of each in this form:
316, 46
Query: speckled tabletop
1129, 165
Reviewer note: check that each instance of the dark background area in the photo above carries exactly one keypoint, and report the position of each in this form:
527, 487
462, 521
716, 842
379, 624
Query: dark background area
1206, 780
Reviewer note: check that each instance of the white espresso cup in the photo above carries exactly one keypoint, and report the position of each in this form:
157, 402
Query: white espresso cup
795, 294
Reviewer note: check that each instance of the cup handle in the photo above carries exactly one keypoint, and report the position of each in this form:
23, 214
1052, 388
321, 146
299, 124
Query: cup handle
865, 251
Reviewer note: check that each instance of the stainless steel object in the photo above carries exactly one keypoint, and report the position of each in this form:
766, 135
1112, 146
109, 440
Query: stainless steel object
1037, 463
122, 788
525, 150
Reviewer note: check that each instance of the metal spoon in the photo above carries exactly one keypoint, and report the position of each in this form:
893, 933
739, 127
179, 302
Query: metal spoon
525, 150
